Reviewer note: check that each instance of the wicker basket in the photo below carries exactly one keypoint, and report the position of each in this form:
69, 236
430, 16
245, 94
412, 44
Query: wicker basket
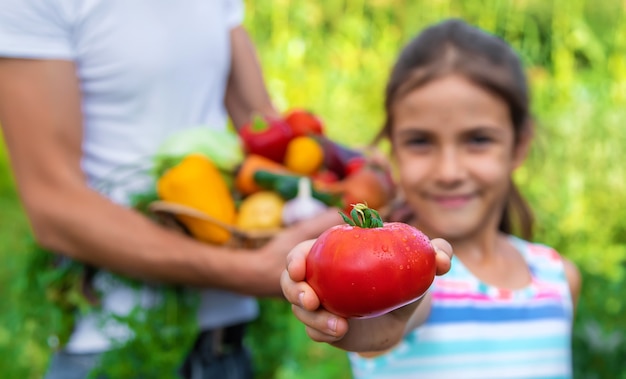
165, 214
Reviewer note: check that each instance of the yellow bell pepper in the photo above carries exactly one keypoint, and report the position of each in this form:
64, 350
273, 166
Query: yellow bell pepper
197, 183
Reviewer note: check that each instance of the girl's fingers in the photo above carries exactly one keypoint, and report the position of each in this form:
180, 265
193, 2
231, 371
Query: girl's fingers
321, 325
295, 289
442, 246
296, 260
444, 255
299, 293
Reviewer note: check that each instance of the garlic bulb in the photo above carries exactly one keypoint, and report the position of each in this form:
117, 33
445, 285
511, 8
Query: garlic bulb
303, 206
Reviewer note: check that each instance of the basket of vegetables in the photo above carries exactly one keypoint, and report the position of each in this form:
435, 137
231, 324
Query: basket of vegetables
241, 188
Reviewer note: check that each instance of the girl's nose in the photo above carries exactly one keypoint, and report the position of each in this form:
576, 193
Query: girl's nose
450, 168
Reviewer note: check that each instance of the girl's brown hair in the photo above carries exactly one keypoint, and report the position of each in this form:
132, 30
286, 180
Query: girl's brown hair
454, 46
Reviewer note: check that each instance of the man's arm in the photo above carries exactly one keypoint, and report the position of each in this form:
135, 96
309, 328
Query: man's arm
246, 91
42, 124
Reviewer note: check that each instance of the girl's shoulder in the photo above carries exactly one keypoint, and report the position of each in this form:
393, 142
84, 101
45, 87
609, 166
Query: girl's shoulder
538, 254
550, 269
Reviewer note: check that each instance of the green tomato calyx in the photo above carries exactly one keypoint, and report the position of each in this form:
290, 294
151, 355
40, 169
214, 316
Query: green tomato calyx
363, 217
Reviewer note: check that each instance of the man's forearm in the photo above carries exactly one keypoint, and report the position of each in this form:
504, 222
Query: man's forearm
121, 240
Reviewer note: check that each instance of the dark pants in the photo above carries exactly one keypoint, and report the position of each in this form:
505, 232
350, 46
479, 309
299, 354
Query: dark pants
218, 354
235, 365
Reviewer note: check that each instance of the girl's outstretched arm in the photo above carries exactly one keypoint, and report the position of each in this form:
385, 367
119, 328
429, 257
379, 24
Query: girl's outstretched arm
361, 335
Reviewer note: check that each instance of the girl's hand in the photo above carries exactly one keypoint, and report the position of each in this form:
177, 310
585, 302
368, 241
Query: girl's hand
321, 325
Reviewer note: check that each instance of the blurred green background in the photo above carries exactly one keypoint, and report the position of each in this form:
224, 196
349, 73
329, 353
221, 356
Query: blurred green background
333, 56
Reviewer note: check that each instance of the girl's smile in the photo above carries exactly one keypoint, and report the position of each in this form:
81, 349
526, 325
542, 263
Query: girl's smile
452, 201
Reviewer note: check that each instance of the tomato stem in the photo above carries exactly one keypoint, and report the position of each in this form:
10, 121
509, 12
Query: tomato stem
363, 217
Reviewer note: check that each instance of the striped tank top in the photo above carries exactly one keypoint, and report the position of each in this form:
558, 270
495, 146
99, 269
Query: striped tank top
477, 331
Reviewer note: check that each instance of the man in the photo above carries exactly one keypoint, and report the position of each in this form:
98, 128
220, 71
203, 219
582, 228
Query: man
88, 86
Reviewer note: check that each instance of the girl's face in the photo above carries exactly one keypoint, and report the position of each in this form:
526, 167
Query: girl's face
454, 146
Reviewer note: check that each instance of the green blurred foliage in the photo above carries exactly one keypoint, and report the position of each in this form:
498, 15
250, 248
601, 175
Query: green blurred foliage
333, 57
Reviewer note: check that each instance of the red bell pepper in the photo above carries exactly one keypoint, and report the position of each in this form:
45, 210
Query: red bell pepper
266, 137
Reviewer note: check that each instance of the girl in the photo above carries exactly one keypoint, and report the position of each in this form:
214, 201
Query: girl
458, 121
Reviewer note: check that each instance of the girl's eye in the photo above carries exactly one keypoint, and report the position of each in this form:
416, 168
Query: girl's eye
479, 140
417, 141
418, 145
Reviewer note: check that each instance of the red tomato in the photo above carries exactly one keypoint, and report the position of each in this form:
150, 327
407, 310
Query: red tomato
355, 164
370, 185
304, 122
368, 270
325, 176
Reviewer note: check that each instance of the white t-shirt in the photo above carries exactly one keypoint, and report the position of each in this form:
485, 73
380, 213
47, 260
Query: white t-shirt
147, 68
